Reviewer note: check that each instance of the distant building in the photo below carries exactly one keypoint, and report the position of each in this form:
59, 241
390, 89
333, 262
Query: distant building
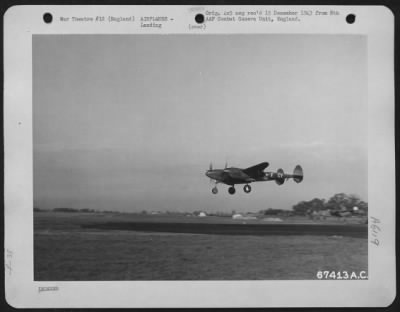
86, 210
237, 216
252, 214
202, 214
271, 212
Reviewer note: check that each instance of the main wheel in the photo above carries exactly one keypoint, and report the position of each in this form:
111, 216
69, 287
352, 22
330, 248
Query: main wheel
247, 188
231, 190
214, 190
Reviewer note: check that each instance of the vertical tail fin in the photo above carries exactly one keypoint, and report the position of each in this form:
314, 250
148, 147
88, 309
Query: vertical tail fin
298, 174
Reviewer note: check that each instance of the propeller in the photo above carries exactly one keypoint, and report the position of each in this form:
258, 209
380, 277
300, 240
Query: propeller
210, 168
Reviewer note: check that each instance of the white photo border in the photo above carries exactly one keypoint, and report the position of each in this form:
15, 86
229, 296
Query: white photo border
22, 22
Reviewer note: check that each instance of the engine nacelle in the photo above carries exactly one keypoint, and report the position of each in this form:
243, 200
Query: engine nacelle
280, 181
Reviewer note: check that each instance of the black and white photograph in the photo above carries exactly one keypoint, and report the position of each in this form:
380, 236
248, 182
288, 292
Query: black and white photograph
189, 156
176, 157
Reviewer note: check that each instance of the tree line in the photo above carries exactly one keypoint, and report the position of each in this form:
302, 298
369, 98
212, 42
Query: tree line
340, 202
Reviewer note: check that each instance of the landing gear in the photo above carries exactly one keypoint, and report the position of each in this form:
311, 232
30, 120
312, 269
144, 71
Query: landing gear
214, 190
247, 188
231, 190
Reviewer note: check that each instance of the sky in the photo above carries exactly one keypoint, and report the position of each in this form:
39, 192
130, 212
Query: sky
132, 122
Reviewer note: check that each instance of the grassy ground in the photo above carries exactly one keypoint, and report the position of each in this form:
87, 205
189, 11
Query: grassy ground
66, 251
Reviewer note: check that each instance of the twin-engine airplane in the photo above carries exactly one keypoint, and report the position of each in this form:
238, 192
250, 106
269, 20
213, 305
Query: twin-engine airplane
232, 176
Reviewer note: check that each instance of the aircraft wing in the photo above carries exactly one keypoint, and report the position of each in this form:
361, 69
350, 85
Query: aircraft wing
256, 170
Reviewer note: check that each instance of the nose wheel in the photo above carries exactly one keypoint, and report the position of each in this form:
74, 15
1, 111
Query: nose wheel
214, 190
247, 188
231, 190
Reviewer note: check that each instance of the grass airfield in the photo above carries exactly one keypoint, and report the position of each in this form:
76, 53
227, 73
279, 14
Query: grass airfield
93, 246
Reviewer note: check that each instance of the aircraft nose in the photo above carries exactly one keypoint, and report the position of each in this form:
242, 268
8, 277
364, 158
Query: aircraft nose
210, 174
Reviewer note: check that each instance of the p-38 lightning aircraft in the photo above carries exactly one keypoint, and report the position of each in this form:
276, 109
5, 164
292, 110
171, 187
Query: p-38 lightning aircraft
232, 176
